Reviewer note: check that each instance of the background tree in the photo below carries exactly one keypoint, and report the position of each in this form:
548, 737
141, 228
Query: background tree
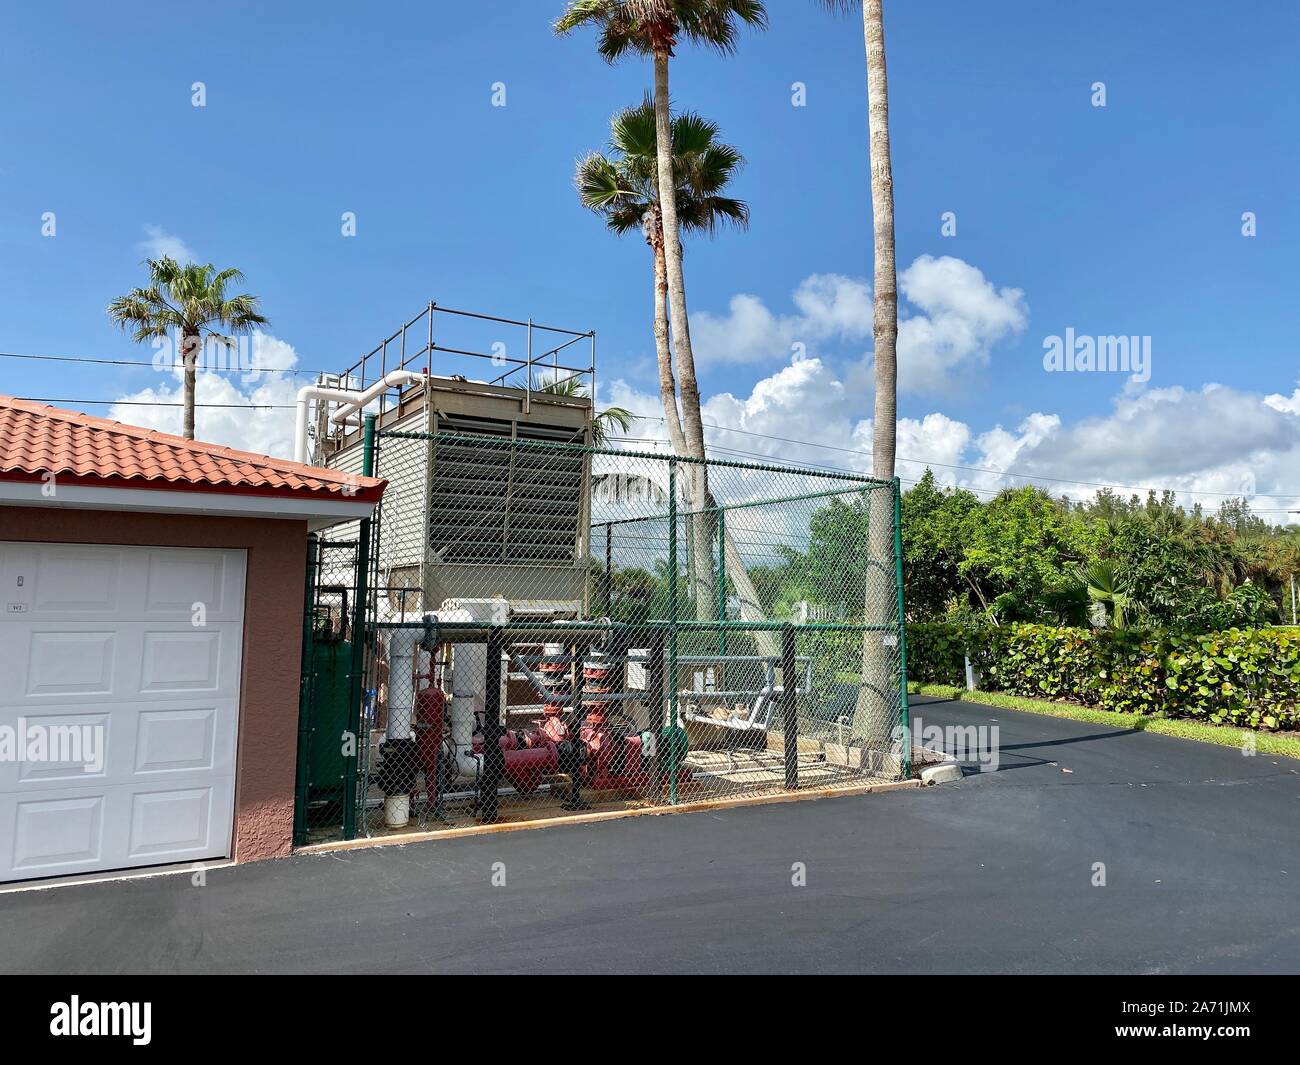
935, 525
189, 302
1019, 547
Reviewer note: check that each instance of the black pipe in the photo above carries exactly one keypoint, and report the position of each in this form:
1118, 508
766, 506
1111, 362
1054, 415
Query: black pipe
494, 758
577, 752
790, 707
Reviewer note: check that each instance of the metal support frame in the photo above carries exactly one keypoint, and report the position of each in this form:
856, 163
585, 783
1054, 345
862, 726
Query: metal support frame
671, 736
494, 759
790, 708
357, 675
306, 684
905, 764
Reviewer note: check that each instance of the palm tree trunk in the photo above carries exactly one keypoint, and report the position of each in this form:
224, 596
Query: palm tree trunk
750, 608
190, 359
703, 523
873, 719
692, 421
663, 352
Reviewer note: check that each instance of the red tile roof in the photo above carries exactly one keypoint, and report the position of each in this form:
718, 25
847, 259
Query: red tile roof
81, 449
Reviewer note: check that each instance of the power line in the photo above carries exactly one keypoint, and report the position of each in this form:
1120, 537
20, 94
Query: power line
1033, 478
150, 366
640, 417
940, 464
989, 492
146, 403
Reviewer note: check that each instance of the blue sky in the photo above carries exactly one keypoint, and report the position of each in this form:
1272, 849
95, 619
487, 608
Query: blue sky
1123, 219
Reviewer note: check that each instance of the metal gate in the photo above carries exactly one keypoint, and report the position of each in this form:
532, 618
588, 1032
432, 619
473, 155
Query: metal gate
332, 697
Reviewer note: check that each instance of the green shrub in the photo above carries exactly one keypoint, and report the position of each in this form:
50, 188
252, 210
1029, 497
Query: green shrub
1243, 677
936, 652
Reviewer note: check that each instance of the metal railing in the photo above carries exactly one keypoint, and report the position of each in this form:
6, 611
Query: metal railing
503, 352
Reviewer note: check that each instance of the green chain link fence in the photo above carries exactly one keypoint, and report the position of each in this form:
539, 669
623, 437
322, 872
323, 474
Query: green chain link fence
552, 628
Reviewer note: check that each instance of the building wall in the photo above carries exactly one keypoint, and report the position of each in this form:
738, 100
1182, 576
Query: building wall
273, 600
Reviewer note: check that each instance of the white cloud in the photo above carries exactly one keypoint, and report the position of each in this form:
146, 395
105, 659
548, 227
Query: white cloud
1288, 404
956, 317
158, 242
253, 412
1207, 445
830, 306
963, 317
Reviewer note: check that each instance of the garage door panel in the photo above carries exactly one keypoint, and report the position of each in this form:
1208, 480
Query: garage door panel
172, 741
60, 664
74, 749
131, 661
74, 579
159, 694
181, 661
54, 832
175, 823
126, 741
176, 585
74, 582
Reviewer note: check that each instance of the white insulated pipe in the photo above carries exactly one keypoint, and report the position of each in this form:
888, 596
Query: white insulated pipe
305, 395
467, 700
392, 379
349, 401
401, 712
468, 681
401, 686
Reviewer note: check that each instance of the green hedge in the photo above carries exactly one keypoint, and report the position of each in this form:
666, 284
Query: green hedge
1243, 677
936, 652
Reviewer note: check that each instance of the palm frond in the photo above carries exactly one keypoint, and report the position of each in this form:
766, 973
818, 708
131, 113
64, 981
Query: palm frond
716, 23
188, 299
603, 424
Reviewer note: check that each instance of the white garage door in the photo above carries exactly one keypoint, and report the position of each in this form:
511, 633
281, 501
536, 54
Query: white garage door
119, 705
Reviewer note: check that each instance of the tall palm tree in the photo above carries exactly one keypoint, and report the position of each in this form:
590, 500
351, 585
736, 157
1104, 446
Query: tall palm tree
191, 302
624, 191
653, 28
873, 718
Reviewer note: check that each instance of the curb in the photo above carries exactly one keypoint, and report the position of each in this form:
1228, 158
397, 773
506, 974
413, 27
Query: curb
603, 815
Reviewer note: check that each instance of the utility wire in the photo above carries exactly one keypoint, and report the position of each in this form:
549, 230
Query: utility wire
989, 492
638, 417
150, 366
147, 403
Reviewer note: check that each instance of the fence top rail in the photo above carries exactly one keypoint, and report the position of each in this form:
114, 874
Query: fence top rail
656, 456
748, 504
656, 624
